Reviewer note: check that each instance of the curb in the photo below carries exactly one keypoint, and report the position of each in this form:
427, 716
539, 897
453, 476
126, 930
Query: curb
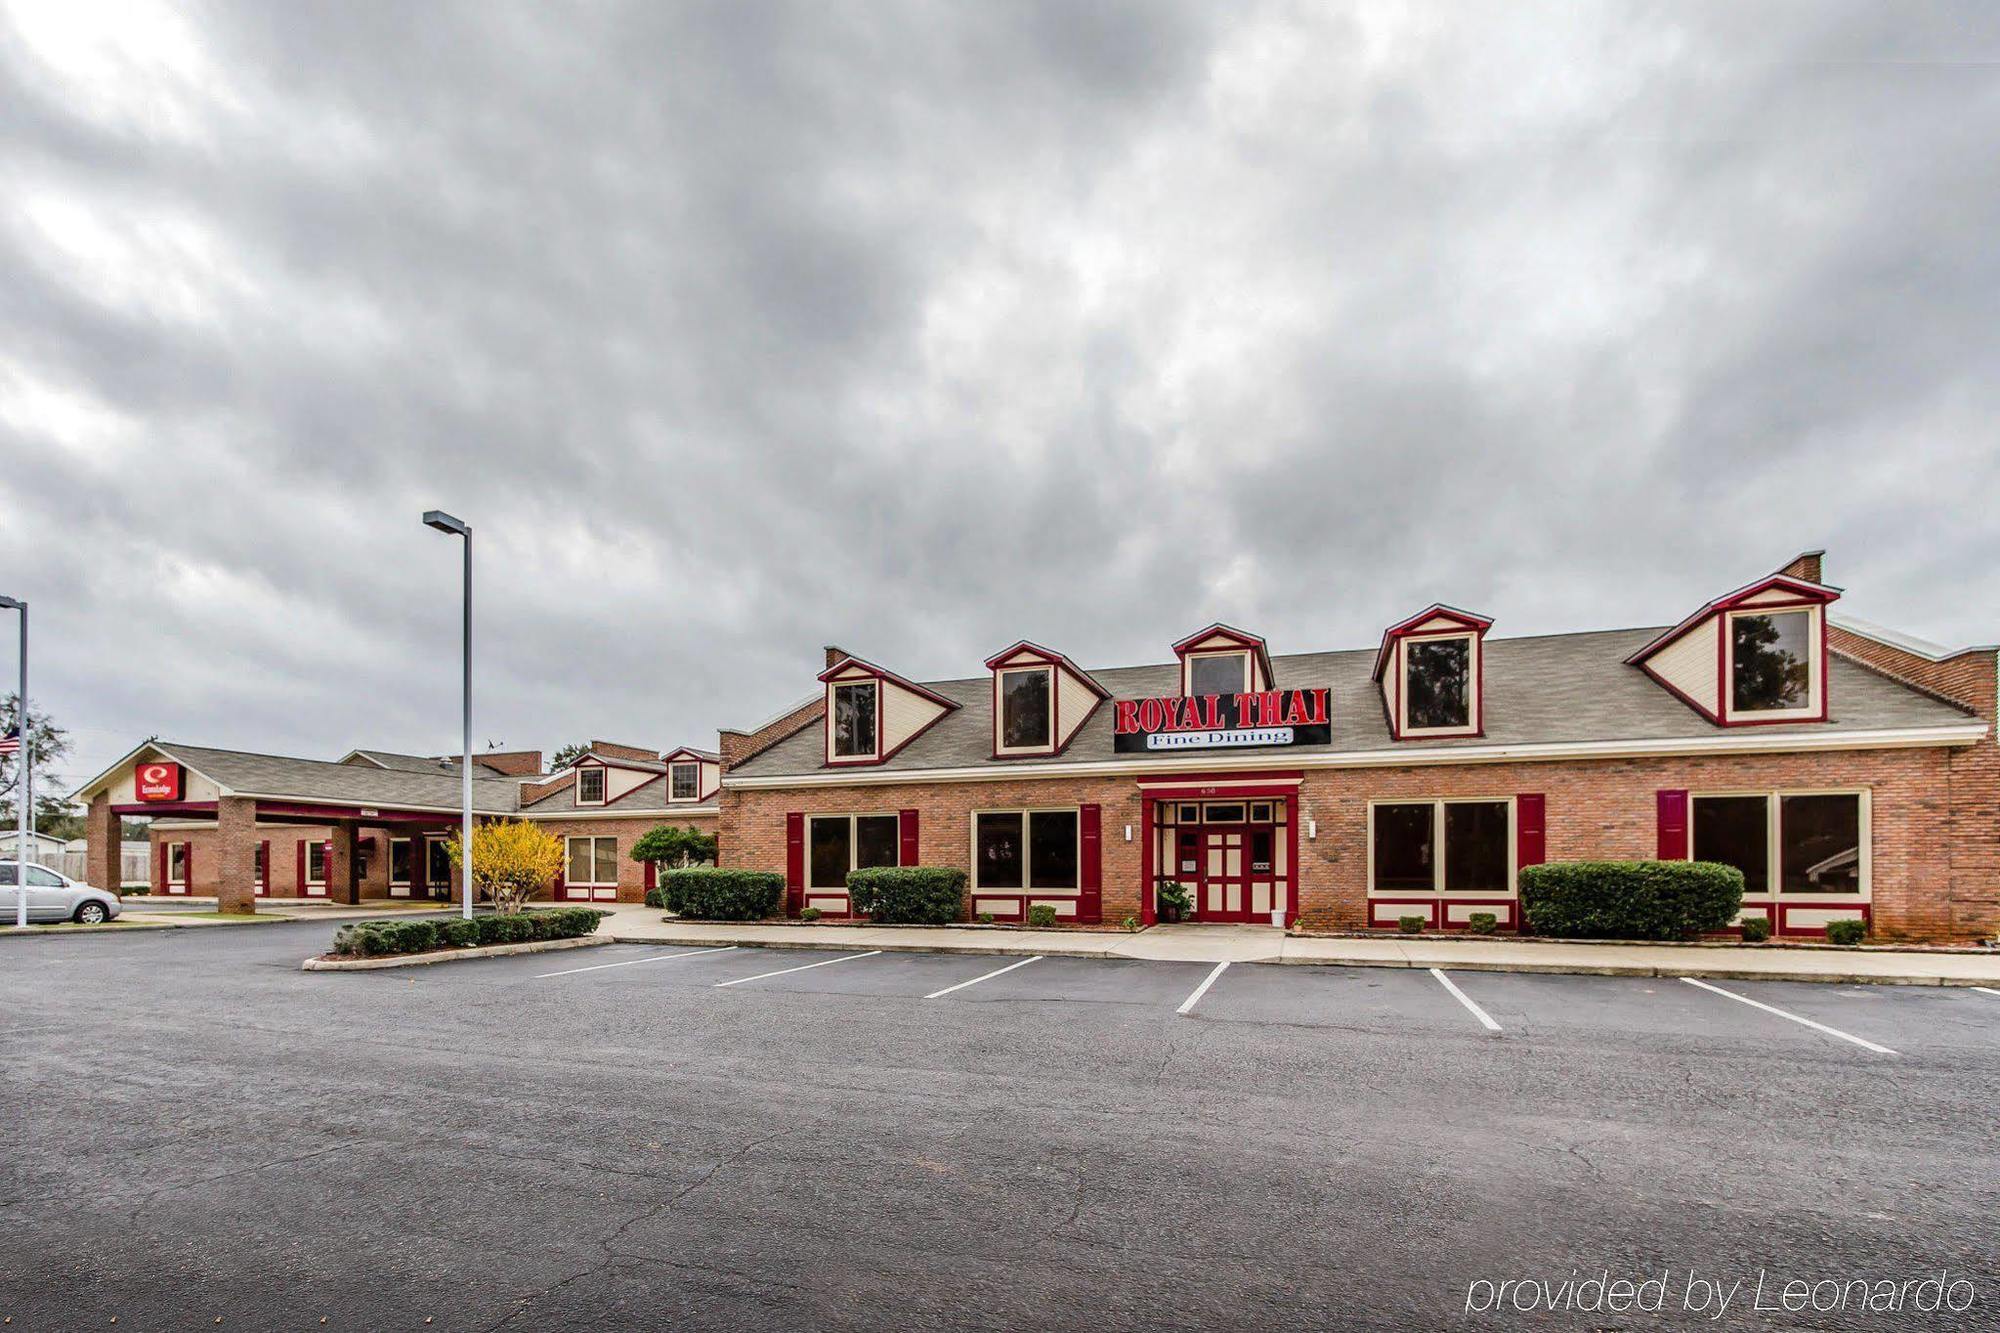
1694, 967
113, 927
451, 955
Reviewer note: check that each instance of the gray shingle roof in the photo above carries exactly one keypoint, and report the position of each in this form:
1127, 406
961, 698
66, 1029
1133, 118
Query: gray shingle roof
326, 780
1544, 690
652, 797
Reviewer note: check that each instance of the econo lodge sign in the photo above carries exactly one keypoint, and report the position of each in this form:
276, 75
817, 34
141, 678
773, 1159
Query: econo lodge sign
157, 782
1215, 721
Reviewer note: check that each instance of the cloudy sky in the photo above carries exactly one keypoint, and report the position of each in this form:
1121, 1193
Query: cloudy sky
736, 329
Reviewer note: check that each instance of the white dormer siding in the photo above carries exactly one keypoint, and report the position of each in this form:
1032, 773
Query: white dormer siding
1754, 657
1687, 666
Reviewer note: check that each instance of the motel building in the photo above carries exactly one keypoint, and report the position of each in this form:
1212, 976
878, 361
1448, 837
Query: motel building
1850, 772
244, 827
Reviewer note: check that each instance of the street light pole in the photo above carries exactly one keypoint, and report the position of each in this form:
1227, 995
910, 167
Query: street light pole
24, 822
444, 522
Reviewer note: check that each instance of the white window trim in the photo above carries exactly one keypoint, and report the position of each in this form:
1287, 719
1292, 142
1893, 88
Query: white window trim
1473, 703
672, 770
1815, 645
325, 860
1027, 870
187, 859
603, 788
1437, 889
1187, 667
1045, 746
406, 880
593, 882
853, 845
833, 689
1774, 816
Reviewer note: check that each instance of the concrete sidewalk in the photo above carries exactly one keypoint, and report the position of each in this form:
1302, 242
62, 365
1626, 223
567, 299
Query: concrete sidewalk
637, 924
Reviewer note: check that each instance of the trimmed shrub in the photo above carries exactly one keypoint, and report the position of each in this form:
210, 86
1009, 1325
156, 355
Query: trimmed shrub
373, 939
986, 918
1630, 900
706, 893
1482, 923
809, 914
1411, 925
1042, 915
135, 891
1846, 932
656, 897
1756, 929
909, 895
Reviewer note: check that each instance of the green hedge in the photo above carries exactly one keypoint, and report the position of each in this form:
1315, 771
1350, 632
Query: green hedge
374, 939
656, 897
708, 893
909, 895
1630, 900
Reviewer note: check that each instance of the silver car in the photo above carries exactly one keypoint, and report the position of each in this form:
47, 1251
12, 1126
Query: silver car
53, 897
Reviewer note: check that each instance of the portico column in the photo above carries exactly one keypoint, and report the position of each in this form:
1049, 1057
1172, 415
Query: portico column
235, 855
102, 864
343, 878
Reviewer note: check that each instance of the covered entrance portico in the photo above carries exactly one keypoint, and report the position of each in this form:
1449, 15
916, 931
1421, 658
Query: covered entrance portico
1230, 844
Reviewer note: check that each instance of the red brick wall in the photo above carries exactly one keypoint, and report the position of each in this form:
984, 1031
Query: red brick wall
1926, 882
737, 746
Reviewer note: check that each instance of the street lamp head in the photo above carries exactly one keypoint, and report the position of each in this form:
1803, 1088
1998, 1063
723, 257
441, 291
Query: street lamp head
12, 604
443, 522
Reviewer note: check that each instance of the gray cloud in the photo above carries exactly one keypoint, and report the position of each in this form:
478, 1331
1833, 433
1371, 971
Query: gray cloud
738, 329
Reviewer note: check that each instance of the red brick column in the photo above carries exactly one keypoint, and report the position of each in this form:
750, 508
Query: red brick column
235, 855
343, 877
100, 833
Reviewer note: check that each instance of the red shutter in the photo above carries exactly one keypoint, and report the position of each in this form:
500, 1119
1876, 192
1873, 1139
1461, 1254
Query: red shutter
160, 879
1673, 810
263, 871
300, 866
906, 823
1090, 865
652, 874
187, 864
795, 863
1531, 846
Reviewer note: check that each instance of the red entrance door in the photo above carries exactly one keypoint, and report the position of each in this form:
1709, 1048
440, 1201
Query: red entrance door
1223, 874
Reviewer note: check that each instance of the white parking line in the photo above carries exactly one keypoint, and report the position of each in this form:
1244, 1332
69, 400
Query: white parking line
1987, 990
1485, 1019
806, 967
1201, 990
1807, 1022
630, 962
1000, 971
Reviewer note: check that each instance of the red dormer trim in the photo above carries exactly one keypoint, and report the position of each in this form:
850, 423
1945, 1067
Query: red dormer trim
1462, 621
1804, 594
1236, 637
1389, 669
1026, 655
842, 673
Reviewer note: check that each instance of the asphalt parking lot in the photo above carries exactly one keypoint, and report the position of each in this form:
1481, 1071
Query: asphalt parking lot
737, 1137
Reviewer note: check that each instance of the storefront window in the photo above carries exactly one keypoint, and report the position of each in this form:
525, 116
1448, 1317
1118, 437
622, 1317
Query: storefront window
315, 863
1771, 662
399, 860
999, 851
874, 841
1735, 831
437, 862
177, 863
1403, 848
1820, 843
840, 843
1025, 713
1475, 846
592, 861
1438, 682
854, 719
1052, 849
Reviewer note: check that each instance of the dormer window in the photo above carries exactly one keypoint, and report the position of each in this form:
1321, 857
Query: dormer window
1437, 683
590, 786
1218, 673
1757, 655
1027, 709
1771, 662
854, 719
684, 782
1430, 668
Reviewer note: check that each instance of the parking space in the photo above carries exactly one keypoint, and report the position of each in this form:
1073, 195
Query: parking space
1866, 1022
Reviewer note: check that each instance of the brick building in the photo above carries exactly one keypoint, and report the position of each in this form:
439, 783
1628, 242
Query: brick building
1851, 772
375, 824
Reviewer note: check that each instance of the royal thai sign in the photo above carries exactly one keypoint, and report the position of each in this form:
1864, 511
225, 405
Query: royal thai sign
157, 782
1222, 721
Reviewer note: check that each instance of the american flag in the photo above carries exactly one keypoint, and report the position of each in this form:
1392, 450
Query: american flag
11, 742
